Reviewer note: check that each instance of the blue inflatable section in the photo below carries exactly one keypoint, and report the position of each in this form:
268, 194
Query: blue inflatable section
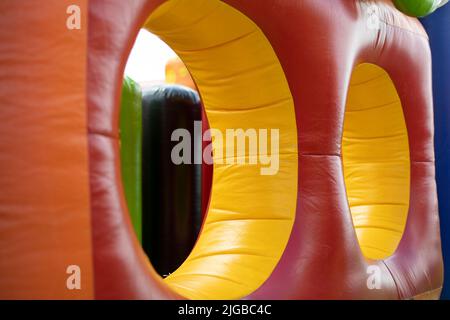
438, 28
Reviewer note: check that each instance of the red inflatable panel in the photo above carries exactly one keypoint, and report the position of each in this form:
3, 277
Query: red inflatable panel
313, 40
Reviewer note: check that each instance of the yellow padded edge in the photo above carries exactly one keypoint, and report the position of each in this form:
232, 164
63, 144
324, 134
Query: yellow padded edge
242, 86
376, 161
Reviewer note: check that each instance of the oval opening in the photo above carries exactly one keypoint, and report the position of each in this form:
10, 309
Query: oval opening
164, 198
252, 205
376, 161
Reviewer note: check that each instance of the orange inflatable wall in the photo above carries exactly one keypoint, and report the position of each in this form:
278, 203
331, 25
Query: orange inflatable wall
44, 199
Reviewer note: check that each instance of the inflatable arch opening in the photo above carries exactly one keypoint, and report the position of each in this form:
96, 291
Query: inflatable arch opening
243, 85
376, 161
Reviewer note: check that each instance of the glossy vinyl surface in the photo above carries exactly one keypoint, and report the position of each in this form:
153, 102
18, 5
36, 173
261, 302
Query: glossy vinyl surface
376, 164
45, 215
62, 201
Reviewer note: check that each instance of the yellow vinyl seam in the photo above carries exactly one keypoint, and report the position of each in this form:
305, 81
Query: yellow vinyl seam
242, 85
376, 161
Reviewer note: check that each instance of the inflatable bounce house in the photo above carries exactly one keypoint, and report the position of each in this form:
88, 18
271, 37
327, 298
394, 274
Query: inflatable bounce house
350, 211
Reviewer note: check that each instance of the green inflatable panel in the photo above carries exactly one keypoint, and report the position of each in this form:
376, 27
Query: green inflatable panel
131, 150
418, 8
